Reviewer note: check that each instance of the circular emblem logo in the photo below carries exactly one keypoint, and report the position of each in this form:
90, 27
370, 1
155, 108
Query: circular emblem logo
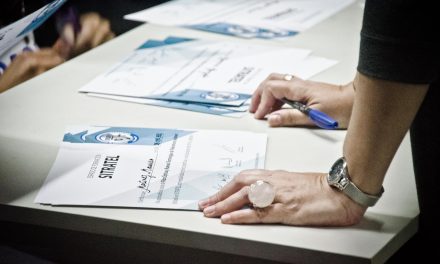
220, 96
117, 138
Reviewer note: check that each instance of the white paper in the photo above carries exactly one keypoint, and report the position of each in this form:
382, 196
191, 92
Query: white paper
146, 167
292, 15
201, 66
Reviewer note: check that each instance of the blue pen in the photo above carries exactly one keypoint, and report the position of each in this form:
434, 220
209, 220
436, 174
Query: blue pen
319, 118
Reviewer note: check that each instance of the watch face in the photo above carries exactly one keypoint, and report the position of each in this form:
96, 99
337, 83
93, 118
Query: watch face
336, 171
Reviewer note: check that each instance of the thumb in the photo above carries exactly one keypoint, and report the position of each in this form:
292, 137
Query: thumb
288, 117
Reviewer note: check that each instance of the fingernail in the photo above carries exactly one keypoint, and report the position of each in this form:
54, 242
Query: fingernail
203, 204
274, 120
209, 210
226, 219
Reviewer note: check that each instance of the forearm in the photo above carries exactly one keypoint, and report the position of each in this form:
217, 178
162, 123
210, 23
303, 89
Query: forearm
382, 114
6, 82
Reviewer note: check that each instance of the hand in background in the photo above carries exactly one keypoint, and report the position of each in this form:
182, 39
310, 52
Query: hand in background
334, 100
27, 65
95, 30
303, 199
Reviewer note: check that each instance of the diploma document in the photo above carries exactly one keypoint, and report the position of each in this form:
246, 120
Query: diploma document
215, 77
147, 167
267, 19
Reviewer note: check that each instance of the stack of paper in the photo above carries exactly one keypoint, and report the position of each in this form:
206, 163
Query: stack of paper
244, 18
148, 167
216, 77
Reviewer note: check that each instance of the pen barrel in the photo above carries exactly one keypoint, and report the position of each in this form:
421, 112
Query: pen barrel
322, 120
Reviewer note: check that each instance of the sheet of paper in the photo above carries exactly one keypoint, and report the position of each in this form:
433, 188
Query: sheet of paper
13, 33
200, 71
290, 15
246, 18
147, 167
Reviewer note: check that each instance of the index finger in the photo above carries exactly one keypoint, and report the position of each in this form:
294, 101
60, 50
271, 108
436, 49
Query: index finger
242, 179
256, 97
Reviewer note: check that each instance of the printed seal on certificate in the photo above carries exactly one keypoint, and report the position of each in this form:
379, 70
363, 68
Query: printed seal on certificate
117, 137
220, 96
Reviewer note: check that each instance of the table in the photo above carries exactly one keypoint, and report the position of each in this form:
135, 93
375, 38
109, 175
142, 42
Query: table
35, 113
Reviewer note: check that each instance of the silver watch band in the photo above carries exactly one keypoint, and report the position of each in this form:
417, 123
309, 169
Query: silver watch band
359, 196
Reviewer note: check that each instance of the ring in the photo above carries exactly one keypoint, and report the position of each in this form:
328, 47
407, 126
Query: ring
261, 194
288, 77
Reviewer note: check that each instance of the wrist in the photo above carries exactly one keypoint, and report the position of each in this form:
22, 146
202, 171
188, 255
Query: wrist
364, 176
339, 178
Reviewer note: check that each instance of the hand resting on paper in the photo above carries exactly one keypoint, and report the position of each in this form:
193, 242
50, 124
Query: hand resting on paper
301, 199
334, 100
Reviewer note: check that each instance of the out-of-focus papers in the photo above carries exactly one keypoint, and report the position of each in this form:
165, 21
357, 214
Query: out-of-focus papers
147, 167
13, 33
245, 18
216, 77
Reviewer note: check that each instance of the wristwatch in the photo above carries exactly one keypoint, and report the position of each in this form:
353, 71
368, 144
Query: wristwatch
338, 177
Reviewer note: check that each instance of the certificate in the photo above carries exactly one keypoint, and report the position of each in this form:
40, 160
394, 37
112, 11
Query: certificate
200, 71
147, 167
243, 18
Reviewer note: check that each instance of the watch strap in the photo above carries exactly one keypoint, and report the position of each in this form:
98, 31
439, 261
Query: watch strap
352, 191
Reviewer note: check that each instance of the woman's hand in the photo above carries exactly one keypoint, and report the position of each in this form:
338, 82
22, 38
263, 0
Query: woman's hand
95, 30
334, 100
304, 199
27, 65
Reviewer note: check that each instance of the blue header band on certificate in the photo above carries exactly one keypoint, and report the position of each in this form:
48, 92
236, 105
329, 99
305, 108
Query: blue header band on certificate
243, 31
205, 97
204, 108
153, 43
126, 135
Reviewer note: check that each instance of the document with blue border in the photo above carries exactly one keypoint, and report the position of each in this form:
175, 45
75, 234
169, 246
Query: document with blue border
267, 19
147, 167
200, 71
214, 77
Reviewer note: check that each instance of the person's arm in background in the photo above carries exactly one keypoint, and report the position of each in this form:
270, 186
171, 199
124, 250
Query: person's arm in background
93, 31
27, 65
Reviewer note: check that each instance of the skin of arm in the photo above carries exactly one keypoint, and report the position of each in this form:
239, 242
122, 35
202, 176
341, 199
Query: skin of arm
382, 112
28, 65
95, 30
